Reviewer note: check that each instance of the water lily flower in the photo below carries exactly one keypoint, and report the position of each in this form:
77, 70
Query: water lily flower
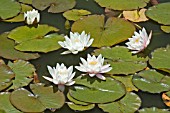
77, 42
32, 16
61, 76
94, 66
139, 41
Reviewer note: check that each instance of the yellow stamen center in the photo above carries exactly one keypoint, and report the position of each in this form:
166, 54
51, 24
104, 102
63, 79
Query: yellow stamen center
93, 63
76, 40
137, 40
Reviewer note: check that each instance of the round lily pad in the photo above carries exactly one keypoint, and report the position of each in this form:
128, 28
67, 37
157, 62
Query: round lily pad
96, 91
9, 8
166, 29
121, 60
80, 107
122, 4
160, 59
153, 110
151, 81
111, 32
77, 102
75, 14
55, 6
160, 13
128, 104
7, 50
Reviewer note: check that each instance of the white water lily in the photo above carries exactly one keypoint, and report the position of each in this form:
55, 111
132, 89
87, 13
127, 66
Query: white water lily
61, 76
94, 66
77, 42
32, 16
139, 41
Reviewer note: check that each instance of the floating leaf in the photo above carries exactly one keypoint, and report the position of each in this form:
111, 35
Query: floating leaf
122, 4
96, 91
80, 107
76, 101
25, 33
6, 105
166, 29
160, 13
135, 15
114, 31
151, 81
45, 44
9, 8
153, 110
47, 96
121, 60
23, 73
55, 6
26, 1
166, 98
25, 101
160, 59
127, 81
129, 104
7, 50
75, 14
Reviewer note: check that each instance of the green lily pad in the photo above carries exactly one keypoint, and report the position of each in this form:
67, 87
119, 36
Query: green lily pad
9, 8
114, 31
153, 110
47, 97
25, 33
166, 29
25, 101
121, 60
6, 105
6, 76
45, 44
7, 50
80, 107
160, 59
127, 81
23, 73
20, 17
26, 1
129, 104
55, 6
160, 13
122, 4
151, 81
75, 14
77, 102
96, 91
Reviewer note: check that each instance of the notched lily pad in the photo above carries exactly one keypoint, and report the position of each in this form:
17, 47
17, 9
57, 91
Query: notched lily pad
114, 31
80, 107
128, 104
122, 4
75, 14
153, 110
7, 50
121, 60
151, 81
55, 6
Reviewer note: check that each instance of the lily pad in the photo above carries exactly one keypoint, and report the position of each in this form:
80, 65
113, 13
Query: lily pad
166, 29
25, 33
135, 15
153, 110
128, 104
114, 31
151, 81
121, 60
55, 6
25, 101
96, 91
9, 8
23, 73
45, 44
6, 105
77, 102
122, 4
47, 97
160, 13
7, 50
80, 107
160, 59
26, 1
75, 14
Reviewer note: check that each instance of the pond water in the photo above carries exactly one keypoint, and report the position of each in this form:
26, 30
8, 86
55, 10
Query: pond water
160, 39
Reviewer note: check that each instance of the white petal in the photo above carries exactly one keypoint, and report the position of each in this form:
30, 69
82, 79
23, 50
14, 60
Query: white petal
100, 76
83, 61
92, 75
106, 70
90, 42
74, 52
61, 44
80, 68
71, 76
48, 78
70, 83
51, 71
66, 52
